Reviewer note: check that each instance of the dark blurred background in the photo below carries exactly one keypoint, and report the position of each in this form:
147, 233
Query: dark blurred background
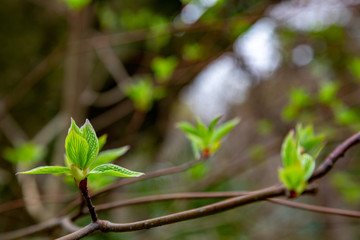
135, 68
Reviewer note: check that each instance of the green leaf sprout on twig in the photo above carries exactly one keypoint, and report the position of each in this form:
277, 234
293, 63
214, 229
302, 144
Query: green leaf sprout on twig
205, 140
82, 156
299, 151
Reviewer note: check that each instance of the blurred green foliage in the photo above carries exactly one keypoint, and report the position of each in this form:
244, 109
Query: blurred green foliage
347, 185
354, 66
193, 52
299, 98
327, 92
163, 67
264, 127
143, 93
27, 154
77, 4
257, 152
205, 141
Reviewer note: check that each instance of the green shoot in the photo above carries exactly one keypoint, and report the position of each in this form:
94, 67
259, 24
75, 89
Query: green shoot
299, 151
82, 156
206, 141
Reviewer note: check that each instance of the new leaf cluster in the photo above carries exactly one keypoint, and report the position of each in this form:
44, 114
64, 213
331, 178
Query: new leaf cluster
207, 140
299, 151
82, 157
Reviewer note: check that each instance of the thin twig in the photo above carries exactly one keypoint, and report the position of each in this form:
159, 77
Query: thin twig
207, 195
68, 225
162, 172
319, 209
92, 227
84, 191
335, 155
32, 78
31, 229
106, 226
112, 115
111, 61
166, 197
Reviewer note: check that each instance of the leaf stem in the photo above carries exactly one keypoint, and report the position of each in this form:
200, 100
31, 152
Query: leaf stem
84, 191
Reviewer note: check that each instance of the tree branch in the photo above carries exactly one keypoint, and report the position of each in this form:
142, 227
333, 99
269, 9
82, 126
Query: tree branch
31, 229
106, 226
335, 155
319, 209
84, 190
264, 194
92, 227
162, 172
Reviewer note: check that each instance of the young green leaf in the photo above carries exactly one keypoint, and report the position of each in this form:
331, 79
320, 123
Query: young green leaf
74, 127
224, 129
67, 161
311, 143
196, 150
76, 148
114, 170
48, 170
213, 124
292, 177
197, 141
289, 150
102, 141
202, 130
187, 128
109, 156
308, 164
93, 143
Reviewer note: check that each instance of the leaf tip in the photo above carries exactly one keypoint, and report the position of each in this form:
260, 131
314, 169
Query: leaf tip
126, 148
140, 174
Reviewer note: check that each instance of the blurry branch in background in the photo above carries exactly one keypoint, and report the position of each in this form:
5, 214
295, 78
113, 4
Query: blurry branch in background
32, 199
236, 166
32, 78
318, 209
51, 6
28, 185
12, 130
51, 130
20, 203
171, 28
111, 61
49, 224
112, 115
15, 133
